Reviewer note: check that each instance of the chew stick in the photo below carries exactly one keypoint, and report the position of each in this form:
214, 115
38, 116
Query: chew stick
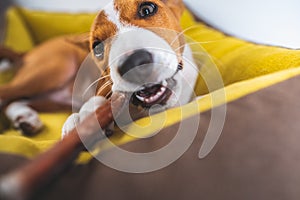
25, 181
9, 54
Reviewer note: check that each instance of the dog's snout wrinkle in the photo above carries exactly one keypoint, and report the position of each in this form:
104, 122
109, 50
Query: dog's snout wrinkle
137, 66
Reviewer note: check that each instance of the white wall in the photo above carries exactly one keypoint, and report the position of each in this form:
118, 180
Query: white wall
64, 5
275, 22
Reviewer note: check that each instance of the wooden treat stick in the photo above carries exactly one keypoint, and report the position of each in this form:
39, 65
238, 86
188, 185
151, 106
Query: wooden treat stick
27, 180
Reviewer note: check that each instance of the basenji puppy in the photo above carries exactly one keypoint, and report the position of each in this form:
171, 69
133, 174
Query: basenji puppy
140, 48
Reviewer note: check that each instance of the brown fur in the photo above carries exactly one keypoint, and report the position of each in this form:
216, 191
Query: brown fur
12, 56
53, 65
169, 19
49, 67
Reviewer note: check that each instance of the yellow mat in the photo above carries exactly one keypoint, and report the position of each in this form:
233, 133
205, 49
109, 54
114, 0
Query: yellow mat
243, 67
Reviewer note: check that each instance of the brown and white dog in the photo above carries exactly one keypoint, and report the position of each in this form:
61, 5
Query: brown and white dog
138, 45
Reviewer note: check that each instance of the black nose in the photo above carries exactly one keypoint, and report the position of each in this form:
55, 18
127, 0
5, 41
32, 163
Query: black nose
136, 66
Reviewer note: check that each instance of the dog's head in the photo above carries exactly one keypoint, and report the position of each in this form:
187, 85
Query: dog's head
140, 44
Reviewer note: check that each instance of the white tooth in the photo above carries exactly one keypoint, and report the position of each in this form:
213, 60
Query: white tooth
140, 98
165, 83
163, 89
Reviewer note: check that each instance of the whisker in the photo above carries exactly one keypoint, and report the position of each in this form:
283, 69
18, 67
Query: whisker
216, 60
108, 83
193, 43
200, 54
109, 94
184, 31
92, 84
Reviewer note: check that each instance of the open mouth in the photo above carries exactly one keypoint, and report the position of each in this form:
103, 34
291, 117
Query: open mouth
152, 94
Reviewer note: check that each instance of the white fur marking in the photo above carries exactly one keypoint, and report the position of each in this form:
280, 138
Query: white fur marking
5, 65
113, 15
131, 38
190, 75
19, 112
138, 38
89, 107
72, 121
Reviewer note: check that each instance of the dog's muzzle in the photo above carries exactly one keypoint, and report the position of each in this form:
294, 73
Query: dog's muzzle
153, 94
139, 68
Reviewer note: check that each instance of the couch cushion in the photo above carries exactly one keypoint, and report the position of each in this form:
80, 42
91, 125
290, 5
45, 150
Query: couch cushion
245, 68
257, 157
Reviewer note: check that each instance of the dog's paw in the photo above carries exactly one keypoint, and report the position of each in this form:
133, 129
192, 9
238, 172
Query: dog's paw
5, 65
88, 108
24, 118
70, 124
91, 106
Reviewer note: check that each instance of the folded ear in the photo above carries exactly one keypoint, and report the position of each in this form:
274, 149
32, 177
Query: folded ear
81, 40
177, 7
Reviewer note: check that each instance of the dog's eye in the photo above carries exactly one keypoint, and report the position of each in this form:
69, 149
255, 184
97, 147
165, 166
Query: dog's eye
98, 48
147, 9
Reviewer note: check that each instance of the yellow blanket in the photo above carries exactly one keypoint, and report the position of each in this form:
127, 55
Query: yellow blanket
244, 68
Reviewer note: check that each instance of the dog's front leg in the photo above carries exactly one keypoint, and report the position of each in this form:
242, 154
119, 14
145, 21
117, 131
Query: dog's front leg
88, 108
9, 59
